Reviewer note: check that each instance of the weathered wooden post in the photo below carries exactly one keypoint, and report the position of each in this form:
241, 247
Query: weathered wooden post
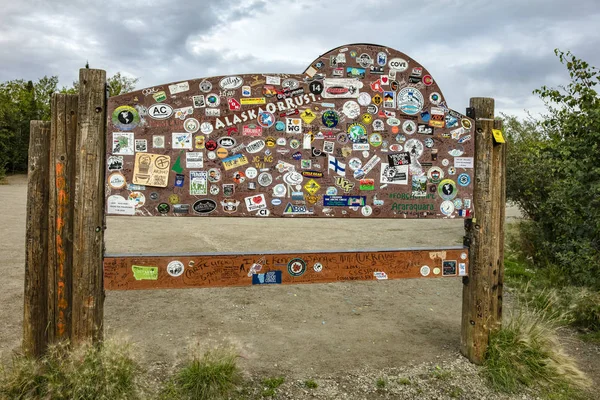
35, 312
88, 230
482, 290
60, 221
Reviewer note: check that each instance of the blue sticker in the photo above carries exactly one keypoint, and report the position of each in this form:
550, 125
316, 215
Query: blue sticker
464, 179
268, 278
280, 126
344, 201
179, 179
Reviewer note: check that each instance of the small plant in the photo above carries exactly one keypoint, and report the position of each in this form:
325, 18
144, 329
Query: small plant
311, 384
86, 372
210, 376
526, 352
381, 383
271, 384
439, 373
455, 392
404, 381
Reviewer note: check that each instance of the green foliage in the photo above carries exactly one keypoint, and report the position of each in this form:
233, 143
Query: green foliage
404, 381
526, 352
271, 384
553, 174
23, 101
88, 372
380, 383
212, 376
441, 374
311, 384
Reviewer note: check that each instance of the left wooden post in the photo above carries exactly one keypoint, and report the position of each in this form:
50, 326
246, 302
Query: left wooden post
35, 312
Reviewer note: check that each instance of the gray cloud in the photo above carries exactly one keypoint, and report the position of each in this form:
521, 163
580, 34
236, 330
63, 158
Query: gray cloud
501, 49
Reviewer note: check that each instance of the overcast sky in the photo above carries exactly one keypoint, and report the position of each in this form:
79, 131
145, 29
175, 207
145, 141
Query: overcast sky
493, 48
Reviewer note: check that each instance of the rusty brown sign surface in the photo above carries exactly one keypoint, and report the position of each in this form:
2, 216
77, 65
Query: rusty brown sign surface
364, 132
194, 271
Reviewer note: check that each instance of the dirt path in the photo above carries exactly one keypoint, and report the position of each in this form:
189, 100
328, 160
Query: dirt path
303, 331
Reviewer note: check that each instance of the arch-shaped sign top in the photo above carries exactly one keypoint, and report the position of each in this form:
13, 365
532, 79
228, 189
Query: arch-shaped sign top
364, 132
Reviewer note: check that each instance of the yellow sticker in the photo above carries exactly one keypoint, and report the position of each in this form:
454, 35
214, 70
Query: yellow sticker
498, 136
312, 187
308, 116
253, 100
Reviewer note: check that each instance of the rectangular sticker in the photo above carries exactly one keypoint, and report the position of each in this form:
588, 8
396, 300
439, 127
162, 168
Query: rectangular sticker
119, 205
396, 159
141, 273
123, 143
394, 175
182, 140
255, 203
344, 201
198, 183
268, 278
179, 87
194, 159
151, 169
463, 162
234, 161
253, 100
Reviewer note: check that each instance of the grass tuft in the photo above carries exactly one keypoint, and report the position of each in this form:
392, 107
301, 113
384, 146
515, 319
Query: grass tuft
271, 384
526, 352
87, 372
404, 381
311, 384
212, 375
381, 383
441, 374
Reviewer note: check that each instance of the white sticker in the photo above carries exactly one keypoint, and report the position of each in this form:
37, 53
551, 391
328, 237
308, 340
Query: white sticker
380, 275
425, 270
273, 80
123, 143
116, 181
175, 268
119, 205
194, 159
179, 87
462, 269
463, 162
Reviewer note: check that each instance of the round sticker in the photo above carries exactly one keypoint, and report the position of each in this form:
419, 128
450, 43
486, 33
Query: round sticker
318, 267
211, 155
466, 123
458, 204
138, 197
447, 190
414, 147
205, 86
213, 100
410, 101
409, 127
367, 118
356, 132
191, 125
316, 87
296, 267
351, 109
279, 126
125, 118
435, 174
428, 143
427, 80
342, 138
153, 196
435, 98
331, 191
294, 143
174, 199
463, 179
116, 181
265, 119
355, 163
366, 210
265, 179
447, 207
436, 271
206, 128
214, 175
251, 172
279, 190
451, 171
445, 162
425, 270
375, 139
364, 99
222, 153
330, 118
163, 208
214, 190
293, 178
463, 256
239, 177
175, 268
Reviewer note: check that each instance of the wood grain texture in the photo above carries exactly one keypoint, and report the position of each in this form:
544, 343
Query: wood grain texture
217, 270
477, 314
60, 221
35, 311
500, 198
88, 233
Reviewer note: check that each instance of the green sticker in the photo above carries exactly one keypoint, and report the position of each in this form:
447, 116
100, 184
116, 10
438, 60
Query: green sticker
177, 166
144, 273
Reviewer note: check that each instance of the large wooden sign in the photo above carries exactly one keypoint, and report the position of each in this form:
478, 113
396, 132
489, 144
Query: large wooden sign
212, 270
364, 132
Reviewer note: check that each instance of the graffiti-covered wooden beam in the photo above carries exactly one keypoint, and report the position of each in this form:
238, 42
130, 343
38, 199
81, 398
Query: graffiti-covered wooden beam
127, 272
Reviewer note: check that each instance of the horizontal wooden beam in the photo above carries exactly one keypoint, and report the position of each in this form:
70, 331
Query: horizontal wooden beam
210, 270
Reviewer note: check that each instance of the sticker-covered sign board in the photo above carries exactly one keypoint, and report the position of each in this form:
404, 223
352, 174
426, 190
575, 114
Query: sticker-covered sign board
364, 132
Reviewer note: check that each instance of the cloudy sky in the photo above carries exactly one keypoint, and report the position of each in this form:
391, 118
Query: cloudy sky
493, 48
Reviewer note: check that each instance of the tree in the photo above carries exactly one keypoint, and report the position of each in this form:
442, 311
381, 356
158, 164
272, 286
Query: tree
117, 84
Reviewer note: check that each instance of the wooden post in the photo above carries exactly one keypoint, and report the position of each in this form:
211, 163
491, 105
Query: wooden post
35, 315
499, 196
60, 222
480, 290
88, 232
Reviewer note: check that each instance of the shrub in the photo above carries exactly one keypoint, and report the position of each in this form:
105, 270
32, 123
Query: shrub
87, 372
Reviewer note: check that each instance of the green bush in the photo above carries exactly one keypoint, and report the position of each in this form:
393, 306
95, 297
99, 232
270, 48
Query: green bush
210, 376
526, 352
553, 175
88, 372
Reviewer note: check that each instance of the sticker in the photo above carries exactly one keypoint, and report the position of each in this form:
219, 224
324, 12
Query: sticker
125, 118
182, 141
449, 268
137, 198
498, 136
296, 267
379, 275
205, 86
447, 189
425, 270
255, 203
175, 268
199, 101
230, 205
436, 271
419, 186
198, 183
239, 177
351, 109
414, 147
163, 208
265, 179
235, 161
158, 142
159, 111
265, 119
344, 201
435, 174
228, 188
123, 143
204, 206
206, 128
151, 169
213, 100
462, 269
463, 256
141, 145
116, 204
194, 159
114, 163
231, 82
366, 210
396, 159
435, 98
293, 125
398, 64
463, 179
318, 267
253, 100
191, 125
341, 88
141, 273
463, 162
410, 101
394, 175
409, 127
268, 278
179, 87
447, 207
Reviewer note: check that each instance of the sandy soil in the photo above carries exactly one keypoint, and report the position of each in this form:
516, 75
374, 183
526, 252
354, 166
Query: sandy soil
303, 331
